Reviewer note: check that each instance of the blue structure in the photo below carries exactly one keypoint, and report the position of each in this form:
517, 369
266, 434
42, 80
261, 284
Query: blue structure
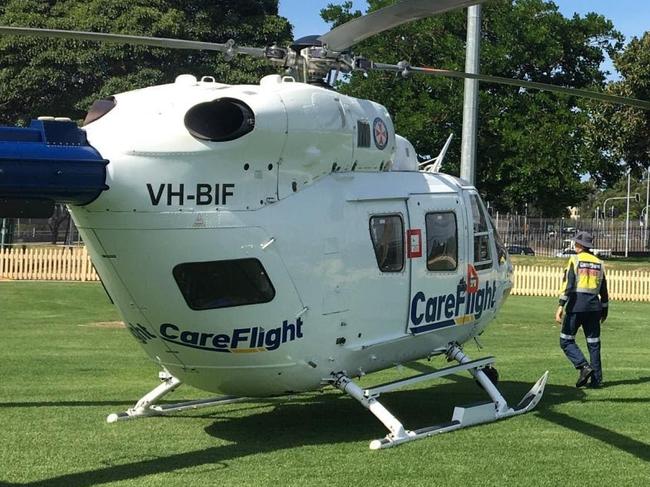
49, 161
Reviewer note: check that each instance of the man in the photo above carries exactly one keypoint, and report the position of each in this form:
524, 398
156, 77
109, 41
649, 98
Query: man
584, 280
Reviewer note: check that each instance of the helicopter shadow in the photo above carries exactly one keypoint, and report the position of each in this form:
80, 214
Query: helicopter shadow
326, 419
555, 395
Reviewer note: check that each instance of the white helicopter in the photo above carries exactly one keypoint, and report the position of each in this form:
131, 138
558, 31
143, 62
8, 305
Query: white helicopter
271, 239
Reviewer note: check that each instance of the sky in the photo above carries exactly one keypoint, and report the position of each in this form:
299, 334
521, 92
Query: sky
631, 17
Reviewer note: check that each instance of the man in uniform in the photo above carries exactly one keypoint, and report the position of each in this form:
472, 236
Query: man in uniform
584, 281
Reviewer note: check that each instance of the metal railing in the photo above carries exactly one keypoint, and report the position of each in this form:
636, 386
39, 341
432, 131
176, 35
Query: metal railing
549, 237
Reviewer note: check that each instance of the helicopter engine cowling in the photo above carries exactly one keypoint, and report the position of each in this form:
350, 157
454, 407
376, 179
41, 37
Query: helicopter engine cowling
262, 143
49, 161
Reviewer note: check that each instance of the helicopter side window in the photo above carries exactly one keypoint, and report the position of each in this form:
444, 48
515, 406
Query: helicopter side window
482, 254
442, 241
223, 283
502, 252
363, 133
387, 233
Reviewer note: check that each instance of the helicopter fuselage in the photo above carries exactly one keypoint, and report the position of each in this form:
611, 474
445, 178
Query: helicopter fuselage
261, 256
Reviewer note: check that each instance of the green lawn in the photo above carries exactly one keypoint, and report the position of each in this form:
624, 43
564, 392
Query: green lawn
618, 263
62, 374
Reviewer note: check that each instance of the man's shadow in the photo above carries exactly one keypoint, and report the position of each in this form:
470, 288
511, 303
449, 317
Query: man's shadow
316, 419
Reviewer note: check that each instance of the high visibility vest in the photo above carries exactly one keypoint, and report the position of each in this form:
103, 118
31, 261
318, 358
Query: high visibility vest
589, 271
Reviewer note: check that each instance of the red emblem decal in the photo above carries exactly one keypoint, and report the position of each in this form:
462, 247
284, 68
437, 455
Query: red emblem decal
472, 279
381, 133
414, 243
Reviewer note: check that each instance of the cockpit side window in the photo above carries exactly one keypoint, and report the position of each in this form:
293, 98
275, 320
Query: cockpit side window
502, 252
482, 252
387, 233
442, 241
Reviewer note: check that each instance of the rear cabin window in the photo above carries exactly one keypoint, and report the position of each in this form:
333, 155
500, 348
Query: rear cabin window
442, 241
387, 233
482, 254
223, 283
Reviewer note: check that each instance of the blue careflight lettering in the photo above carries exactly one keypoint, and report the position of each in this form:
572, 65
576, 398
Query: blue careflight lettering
241, 339
442, 309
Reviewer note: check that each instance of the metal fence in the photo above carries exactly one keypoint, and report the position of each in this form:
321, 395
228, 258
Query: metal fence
27, 231
549, 237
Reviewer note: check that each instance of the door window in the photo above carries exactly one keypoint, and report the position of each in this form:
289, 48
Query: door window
442, 241
387, 233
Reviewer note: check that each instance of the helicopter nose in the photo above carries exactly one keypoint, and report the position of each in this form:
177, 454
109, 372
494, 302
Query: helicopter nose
48, 162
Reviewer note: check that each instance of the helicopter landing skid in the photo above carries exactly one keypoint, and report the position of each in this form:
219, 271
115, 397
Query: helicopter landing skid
463, 415
147, 406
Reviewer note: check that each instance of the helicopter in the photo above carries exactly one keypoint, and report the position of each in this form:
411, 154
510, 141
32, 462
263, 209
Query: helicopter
272, 239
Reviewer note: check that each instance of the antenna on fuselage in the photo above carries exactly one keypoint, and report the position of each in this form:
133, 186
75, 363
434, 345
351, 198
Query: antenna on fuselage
434, 165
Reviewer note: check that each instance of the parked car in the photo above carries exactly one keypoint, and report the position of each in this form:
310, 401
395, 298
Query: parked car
520, 250
567, 252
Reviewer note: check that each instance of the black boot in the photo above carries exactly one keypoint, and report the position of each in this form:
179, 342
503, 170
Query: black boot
585, 373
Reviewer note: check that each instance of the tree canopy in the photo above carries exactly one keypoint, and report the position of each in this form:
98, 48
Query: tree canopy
532, 146
63, 77
623, 133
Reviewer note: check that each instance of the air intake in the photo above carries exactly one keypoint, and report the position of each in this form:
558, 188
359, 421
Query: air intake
220, 120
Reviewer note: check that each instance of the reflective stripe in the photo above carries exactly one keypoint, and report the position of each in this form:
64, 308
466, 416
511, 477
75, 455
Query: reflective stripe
605, 305
588, 290
568, 337
564, 297
593, 340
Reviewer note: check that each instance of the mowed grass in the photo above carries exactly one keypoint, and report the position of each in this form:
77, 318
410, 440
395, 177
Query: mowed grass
611, 263
63, 373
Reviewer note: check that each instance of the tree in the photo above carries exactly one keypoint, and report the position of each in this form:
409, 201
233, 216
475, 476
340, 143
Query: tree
531, 145
616, 208
623, 133
63, 77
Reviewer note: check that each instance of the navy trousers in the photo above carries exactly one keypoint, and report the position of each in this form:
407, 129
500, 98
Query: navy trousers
590, 322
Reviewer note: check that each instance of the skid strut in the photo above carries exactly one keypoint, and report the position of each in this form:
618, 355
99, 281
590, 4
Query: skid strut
463, 415
147, 406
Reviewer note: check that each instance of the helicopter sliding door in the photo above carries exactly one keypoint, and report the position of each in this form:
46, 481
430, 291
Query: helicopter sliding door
377, 271
437, 254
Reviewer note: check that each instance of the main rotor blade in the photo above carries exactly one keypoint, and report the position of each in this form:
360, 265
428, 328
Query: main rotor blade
228, 48
593, 95
348, 34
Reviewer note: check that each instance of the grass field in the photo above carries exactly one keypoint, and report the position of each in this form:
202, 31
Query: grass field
618, 263
65, 367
